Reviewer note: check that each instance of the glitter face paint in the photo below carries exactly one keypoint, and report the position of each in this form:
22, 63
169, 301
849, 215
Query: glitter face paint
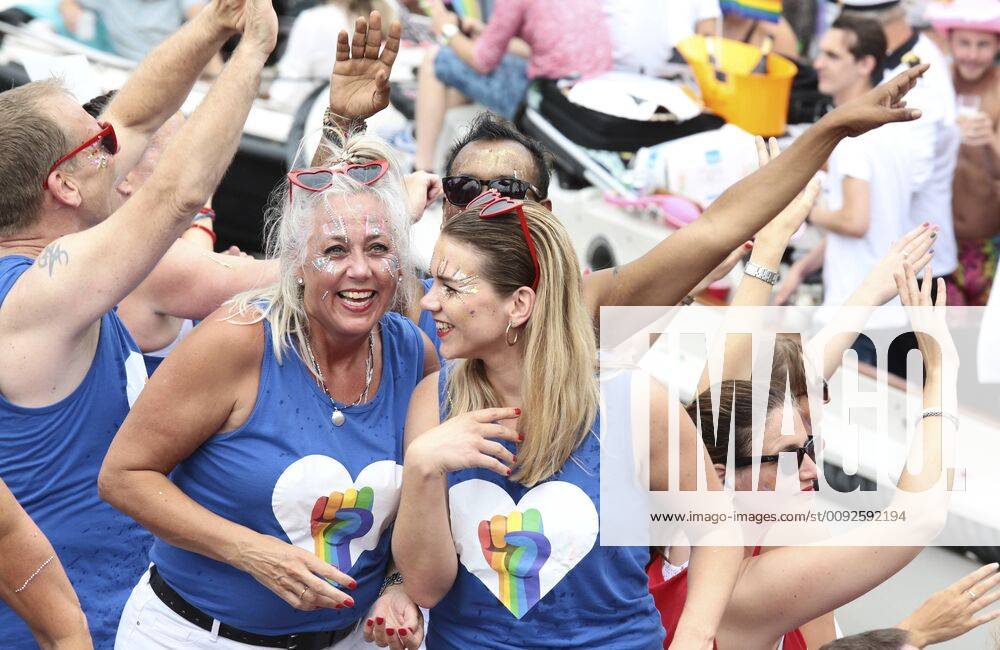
465, 284
97, 157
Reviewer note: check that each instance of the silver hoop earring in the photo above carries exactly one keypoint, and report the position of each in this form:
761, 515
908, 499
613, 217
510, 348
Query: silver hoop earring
300, 281
506, 335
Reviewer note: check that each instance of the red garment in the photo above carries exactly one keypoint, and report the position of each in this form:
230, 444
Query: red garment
669, 597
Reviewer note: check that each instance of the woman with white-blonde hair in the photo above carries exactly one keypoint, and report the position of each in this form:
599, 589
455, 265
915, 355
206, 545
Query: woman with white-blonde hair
266, 454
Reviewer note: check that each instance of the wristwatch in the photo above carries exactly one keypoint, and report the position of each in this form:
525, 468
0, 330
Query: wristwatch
448, 32
759, 272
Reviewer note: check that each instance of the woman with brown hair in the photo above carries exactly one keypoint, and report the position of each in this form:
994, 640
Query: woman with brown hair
498, 525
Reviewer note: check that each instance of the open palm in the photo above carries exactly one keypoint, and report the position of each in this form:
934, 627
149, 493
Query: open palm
359, 87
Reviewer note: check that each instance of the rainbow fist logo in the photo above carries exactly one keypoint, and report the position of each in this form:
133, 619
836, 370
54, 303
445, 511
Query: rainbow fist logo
516, 547
337, 520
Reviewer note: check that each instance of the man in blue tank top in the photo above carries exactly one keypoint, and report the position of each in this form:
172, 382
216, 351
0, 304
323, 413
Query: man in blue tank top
69, 370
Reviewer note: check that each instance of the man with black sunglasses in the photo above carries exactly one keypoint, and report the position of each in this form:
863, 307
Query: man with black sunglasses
69, 370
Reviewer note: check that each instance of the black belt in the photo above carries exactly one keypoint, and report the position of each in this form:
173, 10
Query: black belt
191, 614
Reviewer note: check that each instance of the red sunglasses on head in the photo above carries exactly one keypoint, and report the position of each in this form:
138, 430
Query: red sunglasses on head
491, 204
317, 179
107, 138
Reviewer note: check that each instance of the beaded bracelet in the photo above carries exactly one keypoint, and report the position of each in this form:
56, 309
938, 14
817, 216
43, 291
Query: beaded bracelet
208, 231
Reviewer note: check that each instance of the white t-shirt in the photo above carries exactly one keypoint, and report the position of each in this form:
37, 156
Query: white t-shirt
934, 141
989, 338
644, 32
876, 158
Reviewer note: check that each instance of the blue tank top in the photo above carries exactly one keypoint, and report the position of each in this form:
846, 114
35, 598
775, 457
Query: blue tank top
426, 322
531, 570
288, 472
50, 458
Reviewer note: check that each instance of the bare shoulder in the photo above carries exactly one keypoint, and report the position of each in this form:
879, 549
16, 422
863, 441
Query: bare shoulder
226, 343
424, 411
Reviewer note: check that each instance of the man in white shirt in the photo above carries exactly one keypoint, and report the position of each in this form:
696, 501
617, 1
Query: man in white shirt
868, 185
644, 32
934, 138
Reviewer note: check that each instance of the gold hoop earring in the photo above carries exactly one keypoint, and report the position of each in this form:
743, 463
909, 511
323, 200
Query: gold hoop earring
506, 335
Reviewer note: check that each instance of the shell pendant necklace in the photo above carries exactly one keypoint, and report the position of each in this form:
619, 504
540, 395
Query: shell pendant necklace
337, 417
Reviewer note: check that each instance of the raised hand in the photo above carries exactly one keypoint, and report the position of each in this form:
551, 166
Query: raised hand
258, 20
928, 318
953, 611
422, 189
879, 106
337, 520
359, 87
516, 548
228, 15
780, 229
914, 248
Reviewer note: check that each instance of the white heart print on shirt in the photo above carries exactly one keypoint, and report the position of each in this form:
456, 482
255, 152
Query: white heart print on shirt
521, 551
324, 511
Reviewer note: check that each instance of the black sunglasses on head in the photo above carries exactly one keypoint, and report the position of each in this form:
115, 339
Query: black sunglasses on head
461, 190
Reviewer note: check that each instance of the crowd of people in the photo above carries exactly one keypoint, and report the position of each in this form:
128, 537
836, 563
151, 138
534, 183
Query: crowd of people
329, 447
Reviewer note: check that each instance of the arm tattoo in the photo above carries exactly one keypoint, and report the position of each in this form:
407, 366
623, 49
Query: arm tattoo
52, 255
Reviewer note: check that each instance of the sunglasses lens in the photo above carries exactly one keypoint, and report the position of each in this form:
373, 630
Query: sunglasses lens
110, 143
499, 207
461, 190
315, 180
365, 174
510, 187
826, 392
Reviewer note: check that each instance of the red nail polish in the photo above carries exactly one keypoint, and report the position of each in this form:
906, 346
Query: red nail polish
402, 631
515, 459
748, 245
353, 584
927, 223
517, 411
369, 622
349, 602
520, 438
379, 620
390, 631
509, 472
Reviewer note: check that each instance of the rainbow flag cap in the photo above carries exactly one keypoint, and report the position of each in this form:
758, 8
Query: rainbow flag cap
769, 10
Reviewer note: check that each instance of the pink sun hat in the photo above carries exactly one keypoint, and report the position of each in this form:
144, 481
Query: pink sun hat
977, 15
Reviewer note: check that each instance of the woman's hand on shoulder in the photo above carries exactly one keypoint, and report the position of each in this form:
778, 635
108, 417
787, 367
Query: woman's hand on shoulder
395, 621
466, 441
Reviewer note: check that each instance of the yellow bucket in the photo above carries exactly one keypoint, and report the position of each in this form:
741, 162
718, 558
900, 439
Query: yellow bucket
754, 102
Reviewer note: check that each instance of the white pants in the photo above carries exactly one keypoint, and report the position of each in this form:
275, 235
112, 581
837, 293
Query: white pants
148, 624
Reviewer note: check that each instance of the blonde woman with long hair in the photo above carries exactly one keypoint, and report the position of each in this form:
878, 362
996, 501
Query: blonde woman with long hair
498, 529
265, 454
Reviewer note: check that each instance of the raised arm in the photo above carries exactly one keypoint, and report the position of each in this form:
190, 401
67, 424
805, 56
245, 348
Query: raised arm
163, 79
713, 569
192, 283
99, 266
45, 600
768, 249
827, 351
852, 565
668, 272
